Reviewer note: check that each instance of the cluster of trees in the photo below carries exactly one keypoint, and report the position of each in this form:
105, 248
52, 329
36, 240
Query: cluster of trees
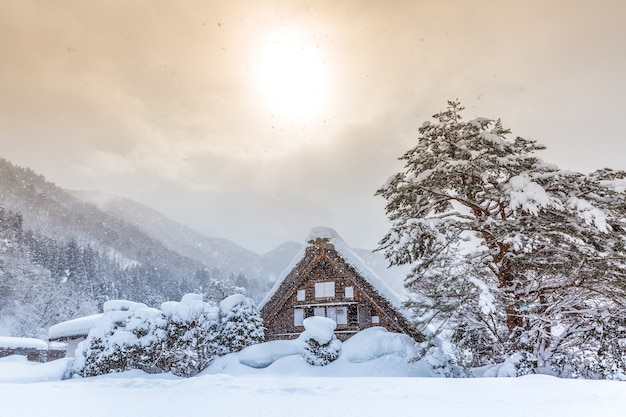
44, 281
511, 257
183, 337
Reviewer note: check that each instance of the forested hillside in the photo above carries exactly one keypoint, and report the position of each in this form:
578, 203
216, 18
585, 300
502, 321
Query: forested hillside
61, 258
63, 253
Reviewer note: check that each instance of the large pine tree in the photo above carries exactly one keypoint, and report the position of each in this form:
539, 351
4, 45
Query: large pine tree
509, 254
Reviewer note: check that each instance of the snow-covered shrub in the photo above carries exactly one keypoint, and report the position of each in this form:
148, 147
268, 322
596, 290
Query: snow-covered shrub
183, 337
442, 357
321, 346
518, 364
191, 335
122, 340
241, 324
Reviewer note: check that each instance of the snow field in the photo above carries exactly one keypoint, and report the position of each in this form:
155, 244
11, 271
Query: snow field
138, 394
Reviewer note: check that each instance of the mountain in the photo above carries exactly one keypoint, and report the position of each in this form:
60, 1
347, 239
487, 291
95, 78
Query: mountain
63, 253
52, 212
215, 253
210, 251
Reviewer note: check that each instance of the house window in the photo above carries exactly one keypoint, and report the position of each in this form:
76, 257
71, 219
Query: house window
342, 315
301, 295
324, 289
331, 313
319, 311
298, 316
353, 317
349, 292
375, 320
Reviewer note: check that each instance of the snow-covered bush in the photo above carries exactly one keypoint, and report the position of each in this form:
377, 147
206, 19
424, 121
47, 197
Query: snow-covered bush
191, 335
124, 339
241, 324
321, 346
183, 337
518, 364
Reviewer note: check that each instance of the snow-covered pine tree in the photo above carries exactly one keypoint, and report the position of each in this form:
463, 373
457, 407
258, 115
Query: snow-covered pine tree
111, 346
191, 335
241, 324
509, 254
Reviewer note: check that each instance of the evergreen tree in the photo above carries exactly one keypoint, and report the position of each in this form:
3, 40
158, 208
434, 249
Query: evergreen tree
509, 254
241, 324
320, 345
190, 335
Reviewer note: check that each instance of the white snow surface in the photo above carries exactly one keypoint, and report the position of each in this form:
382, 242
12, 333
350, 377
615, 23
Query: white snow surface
322, 329
589, 213
230, 302
291, 387
75, 327
528, 196
22, 342
189, 306
351, 258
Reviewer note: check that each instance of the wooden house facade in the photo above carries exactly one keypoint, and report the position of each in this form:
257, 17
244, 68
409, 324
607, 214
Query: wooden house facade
329, 279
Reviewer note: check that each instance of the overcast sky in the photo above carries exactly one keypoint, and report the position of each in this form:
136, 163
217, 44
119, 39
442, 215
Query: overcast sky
256, 121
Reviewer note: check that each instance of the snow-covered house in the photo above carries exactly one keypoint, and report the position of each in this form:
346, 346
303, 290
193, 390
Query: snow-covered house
72, 332
328, 279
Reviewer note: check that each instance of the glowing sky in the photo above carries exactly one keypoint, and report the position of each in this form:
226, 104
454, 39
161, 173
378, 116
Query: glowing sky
256, 122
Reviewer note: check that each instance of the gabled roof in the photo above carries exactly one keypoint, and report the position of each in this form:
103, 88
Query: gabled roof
350, 258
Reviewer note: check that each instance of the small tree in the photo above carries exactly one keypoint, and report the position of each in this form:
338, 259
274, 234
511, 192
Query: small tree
509, 253
320, 345
123, 339
241, 324
191, 335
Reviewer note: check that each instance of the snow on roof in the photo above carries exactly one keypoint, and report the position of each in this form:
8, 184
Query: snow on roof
73, 328
8, 342
351, 258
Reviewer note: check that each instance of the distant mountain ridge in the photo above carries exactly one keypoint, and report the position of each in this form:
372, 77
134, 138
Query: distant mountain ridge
134, 233
50, 211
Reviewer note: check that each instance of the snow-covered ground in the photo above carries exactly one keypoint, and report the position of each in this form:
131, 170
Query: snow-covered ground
291, 387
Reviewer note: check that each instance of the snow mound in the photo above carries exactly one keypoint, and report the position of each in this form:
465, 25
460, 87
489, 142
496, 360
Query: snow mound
189, 307
17, 369
265, 354
121, 305
75, 327
376, 342
229, 303
322, 329
321, 232
22, 342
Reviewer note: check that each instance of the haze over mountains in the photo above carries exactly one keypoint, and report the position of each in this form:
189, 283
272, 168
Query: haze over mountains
103, 246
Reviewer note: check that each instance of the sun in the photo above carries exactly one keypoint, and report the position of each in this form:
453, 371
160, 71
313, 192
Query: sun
292, 75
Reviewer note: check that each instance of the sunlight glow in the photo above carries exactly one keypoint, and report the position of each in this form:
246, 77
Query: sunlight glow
292, 77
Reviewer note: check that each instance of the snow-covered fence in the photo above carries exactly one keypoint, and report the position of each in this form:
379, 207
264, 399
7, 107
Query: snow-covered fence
35, 350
